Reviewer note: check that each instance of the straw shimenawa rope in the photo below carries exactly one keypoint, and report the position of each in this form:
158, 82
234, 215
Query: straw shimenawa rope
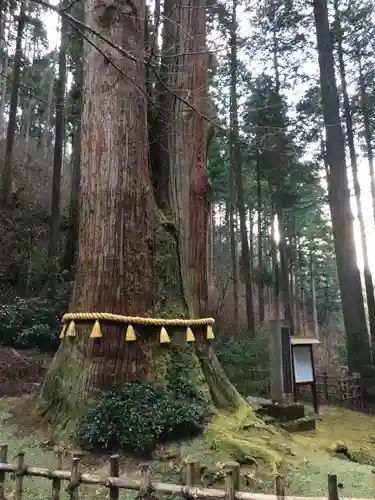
137, 320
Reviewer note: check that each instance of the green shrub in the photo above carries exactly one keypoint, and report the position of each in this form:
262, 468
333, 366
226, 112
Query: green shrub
137, 415
31, 323
246, 362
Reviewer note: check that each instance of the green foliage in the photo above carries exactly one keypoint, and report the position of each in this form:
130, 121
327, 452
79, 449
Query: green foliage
31, 323
246, 362
137, 415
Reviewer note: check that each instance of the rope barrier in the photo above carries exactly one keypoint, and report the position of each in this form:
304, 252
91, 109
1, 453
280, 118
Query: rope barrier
69, 327
137, 320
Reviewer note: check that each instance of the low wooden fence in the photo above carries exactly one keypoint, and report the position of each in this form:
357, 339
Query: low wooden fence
144, 487
342, 389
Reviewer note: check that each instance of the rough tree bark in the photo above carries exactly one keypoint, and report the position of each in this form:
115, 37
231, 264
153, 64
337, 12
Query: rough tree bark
358, 348
73, 219
365, 106
134, 257
57, 161
7, 177
369, 285
260, 244
236, 165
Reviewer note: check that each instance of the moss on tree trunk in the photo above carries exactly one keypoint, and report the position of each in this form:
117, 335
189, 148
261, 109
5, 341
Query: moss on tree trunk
84, 367
134, 258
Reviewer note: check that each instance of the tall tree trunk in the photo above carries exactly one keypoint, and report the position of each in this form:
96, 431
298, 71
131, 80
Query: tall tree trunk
73, 219
3, 93
300, 324
275, 272
251, 238
7, 178
357, 188
293, 279
3, 64
304, 318
284, 274
358, 348
114, 266
210, 253
313, 295
233, 252
364, 102
57, 160
260, 244
48, 113
236, 165
134, 258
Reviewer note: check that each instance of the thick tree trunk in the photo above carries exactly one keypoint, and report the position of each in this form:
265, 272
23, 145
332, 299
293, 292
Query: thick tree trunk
133, 258
114, 266
358, 348
369, 286
7, 178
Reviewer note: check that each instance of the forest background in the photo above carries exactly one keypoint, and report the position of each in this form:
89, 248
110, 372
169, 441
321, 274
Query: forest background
271, 245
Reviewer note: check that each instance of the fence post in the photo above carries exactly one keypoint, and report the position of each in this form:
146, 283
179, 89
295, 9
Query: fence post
333, 492
74, 479
114, 471
373, 480
19, 475
280, 487
235, 468
3, 459
190, 473
56, 483
145, 481
230, 490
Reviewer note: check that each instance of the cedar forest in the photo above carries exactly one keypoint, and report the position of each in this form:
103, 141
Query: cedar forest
185, 160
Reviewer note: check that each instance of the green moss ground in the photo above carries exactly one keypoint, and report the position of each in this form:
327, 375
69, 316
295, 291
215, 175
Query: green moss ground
305, 459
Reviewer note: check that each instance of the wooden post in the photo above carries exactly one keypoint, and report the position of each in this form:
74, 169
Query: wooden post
19, 475
236, 469
145, 485
280, 487
190, 473
230, 490
114, 471
314, 387
74, 478
333, 492
373, 480
3, 459
56, 483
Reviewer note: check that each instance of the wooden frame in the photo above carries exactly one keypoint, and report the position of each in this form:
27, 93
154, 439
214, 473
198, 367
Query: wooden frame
297, 342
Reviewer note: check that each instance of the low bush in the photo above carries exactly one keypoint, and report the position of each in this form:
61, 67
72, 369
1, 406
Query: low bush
246, 362
31, 323
137, 415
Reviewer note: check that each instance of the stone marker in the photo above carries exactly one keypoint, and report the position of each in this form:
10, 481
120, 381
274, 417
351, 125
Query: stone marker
281, 362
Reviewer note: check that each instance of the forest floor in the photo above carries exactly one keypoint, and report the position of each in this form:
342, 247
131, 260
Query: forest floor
307, 458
